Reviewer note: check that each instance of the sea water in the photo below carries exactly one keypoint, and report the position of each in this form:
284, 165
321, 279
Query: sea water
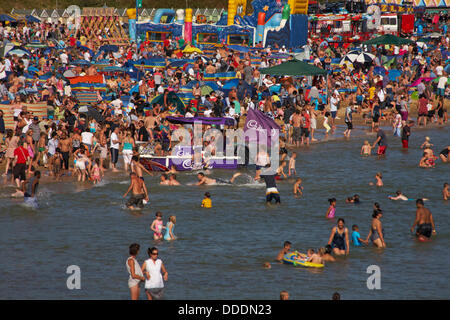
220, 251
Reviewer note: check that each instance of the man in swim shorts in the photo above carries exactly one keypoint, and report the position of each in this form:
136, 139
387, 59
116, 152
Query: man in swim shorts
271, 189
204, 180
424, 221
381, 140
139, 193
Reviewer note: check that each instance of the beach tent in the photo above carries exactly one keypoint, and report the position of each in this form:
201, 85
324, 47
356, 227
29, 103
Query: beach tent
294, 68
172, 98
91, 113
388, 39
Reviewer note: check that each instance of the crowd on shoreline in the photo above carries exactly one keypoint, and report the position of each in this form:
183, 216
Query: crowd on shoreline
73, 143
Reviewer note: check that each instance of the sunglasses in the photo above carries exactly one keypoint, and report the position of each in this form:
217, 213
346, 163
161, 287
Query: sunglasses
154, 253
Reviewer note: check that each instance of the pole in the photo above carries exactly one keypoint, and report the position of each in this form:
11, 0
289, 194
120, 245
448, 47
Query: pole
137, 13
137, 36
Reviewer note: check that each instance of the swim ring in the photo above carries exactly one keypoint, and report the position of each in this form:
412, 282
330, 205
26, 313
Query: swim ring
290, 258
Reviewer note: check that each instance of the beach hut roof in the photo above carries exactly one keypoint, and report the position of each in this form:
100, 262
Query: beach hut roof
42, 13
22, 12
122, 12
65, 14
143, 12
54, 14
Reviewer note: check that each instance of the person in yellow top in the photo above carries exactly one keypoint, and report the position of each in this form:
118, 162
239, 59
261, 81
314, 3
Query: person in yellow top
206, 202
371, 93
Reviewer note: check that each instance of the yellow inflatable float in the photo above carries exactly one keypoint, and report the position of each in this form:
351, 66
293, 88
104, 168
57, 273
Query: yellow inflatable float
299, 259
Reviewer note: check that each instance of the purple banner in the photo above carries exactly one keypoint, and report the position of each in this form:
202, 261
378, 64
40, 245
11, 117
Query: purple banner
256, 123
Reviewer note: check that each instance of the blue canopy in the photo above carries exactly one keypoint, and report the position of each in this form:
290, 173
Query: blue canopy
81, 62
32, 19
394, 74
7, 17
109, 48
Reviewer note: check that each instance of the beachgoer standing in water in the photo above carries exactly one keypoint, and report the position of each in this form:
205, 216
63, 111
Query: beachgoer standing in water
424, 222
157, 226
381, 140
135, 272
339, 240
170, 226
154, 285
139, 193
331, 209
376, 233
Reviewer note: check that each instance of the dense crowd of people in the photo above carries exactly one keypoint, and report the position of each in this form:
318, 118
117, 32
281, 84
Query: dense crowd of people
71, 142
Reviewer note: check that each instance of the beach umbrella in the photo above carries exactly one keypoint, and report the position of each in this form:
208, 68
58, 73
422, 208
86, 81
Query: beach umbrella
192, 50
69, 74
173, 99
81, 62
91, 112
365, 57
17, 52
36, 45
109, 48
206, 90
347, 63
394, 74
447, 68
351, 56
113, 69
379, 71
33, 69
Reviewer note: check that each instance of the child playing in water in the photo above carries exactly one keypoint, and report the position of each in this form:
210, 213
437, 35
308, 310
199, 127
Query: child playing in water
427, 161
57, 162
379, 178
356, 237
96, 172
366, 149
169, 229
298, 189
280, 171
291, 169
157, 226
331, 209
206, 202
426, 144
325, 123
314, 257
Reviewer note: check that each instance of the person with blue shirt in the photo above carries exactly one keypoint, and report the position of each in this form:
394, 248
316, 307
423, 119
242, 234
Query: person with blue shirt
356, 237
